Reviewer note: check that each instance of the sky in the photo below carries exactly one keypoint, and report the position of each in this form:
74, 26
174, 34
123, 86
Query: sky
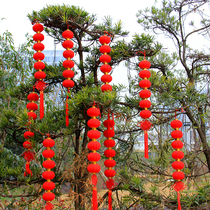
16, 21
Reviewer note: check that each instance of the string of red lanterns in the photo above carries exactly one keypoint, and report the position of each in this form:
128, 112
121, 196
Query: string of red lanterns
145, 124
109, 124
178, 165
105, 58
29, 155
109, 153
40, 85
94, 145
68, 64
48, 153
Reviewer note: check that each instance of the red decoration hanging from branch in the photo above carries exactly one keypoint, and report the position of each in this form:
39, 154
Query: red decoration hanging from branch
105, 58
68, 64
40, 85
94, 134
109, 153
178, 165
48, 175
29, 155
145, 124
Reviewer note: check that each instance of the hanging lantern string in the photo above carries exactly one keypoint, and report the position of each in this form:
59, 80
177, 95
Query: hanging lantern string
109, 34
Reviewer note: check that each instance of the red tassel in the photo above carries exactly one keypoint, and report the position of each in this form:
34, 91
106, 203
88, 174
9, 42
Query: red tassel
110, 199
28, 170
41, 104
49, 206
146, 153
67, 110
178, 199
94, 199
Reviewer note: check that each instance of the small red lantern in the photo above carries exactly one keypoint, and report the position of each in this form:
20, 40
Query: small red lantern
68, 64
48, 153
178, 165
105, 58
94, 134
40, 85
145, 103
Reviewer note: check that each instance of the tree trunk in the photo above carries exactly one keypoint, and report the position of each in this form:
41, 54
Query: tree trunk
200, 127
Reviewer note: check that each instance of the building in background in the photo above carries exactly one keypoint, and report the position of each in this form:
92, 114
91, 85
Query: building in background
53, 57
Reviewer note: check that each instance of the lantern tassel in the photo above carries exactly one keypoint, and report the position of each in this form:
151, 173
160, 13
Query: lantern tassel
110, 199
94, 199
146, 153
28, 170
41, 104
67, 110
48, 206
178, 199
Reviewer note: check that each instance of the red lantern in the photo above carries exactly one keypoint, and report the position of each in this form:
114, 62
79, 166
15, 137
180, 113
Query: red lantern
109, 163
104, 39
106, 68
94, 145
144, 83
94, 157
49, 186
48, 142
106, 87
145, 104
68, 73
145, 74
40, 75
178, 165
145, 93
67, 44
177, 144
145, 114
110, 173
68, 83
105, 49
38, 37
68, 54
68, 64
93, 112
48, 175
176, 134
48, 153
48, 196
176, 124
109, 133
27, 145
48, 164
94, 134
144, 64
109, 143
32, 115
38, 27
38, 56
39, 66
106, 78
93, 123
33, 97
